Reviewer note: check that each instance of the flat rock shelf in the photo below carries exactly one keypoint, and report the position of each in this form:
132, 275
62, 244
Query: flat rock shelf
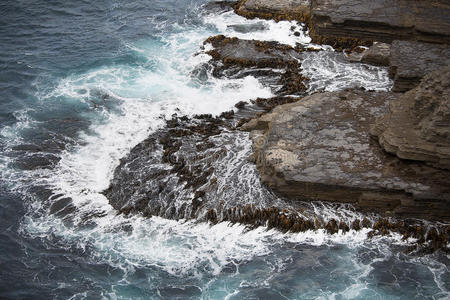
319, 148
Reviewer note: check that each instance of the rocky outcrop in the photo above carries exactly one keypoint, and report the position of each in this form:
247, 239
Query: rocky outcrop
381, 20
233, 57
418, 124
378, 55
252, 53
275, 9
410, 61
319, 148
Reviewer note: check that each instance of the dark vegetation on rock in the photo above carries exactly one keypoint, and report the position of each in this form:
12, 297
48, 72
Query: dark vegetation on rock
233, 57
418, 30
316, 148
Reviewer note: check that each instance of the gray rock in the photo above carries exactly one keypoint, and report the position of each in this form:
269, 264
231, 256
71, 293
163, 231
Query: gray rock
252, 52
277, 65
246, 28
319, 148
418, 124
382, 20
219, 6
377, 55
410, 61
275, 8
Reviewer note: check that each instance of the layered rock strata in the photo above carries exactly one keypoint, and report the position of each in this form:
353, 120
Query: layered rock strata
410, 61
382, 20
178, 172
417, 126
319, 148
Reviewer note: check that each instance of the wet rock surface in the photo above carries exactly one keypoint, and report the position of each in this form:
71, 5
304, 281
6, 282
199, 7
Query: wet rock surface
275, 9
173, 162
278, 64
410, 61
218, 6
179, 173
313, 148
382, 20
319, 148
417, 126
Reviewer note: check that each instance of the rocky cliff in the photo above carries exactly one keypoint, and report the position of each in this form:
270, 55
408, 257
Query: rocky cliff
417, 126
418, 30
382, 20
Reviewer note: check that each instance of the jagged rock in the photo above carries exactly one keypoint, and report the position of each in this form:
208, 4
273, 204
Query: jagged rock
319, 148
219, 6
382, 20
418, 124
410, 61
233, 57
252, 53
275, 9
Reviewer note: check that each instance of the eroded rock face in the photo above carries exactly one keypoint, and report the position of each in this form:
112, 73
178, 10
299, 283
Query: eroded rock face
382, 20
410, 61
319, 148
275, 9
418, 124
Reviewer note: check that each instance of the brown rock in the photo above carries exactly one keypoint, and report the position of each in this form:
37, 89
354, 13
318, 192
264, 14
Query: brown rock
319, 148
418, 124
378, 54
382, 20
410, 61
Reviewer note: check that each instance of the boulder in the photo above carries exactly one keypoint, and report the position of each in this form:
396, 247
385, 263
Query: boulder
275, 9
410, 61
378, 54
382, 20
319, 148
417, 126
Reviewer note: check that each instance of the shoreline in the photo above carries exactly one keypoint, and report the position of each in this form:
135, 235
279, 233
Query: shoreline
232, 57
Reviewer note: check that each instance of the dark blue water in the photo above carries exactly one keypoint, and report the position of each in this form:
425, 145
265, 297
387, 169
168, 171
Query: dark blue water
83, 82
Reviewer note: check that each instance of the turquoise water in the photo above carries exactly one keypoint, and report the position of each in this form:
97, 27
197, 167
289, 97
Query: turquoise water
81, 84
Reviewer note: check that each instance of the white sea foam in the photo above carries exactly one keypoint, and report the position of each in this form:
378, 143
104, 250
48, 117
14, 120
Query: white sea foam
142, 95
269, 30
328, 71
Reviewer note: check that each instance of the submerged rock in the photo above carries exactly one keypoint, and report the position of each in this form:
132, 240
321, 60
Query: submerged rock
319, 148
417, 126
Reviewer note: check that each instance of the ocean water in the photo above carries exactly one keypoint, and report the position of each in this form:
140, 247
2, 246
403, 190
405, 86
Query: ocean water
84, 82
